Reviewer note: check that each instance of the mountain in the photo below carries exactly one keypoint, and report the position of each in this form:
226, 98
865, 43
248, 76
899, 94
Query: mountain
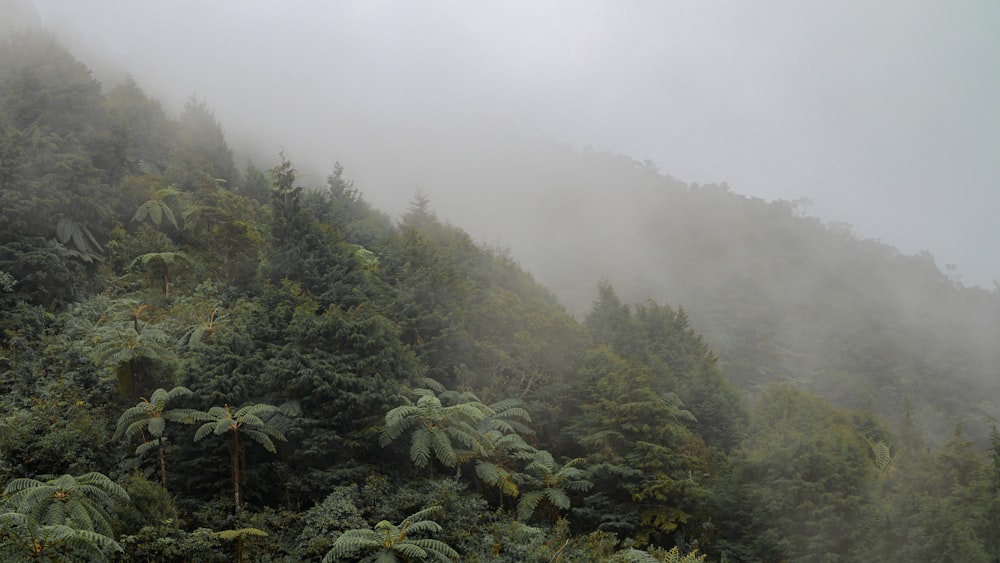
203, 361
779, 295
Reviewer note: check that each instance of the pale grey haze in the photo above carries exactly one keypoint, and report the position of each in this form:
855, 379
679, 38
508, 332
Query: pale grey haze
884, 114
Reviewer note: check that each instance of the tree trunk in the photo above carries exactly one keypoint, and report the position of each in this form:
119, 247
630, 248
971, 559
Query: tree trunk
163, 464
235, 459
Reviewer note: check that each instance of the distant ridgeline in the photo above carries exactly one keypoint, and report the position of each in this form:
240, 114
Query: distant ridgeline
314, 381
780, 296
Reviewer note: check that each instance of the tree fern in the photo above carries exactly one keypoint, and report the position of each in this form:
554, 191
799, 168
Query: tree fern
156, 207
245, 422
884, 459
656, 555
163, 260
437, 427
496, 475
548, 482
239, 535
23, 538
150, 416
391, 543
122, 344
78, 502
68, 230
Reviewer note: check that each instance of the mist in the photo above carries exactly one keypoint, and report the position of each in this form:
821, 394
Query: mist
790, 353
882, 116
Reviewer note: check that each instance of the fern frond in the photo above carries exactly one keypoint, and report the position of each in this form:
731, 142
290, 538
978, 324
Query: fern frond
443, 449
204, 430
528, 503
233, 534
352, 541
184, 416
19, 484
411, 551
156, 426
497, 476
223, 425
558, 498
145, 447
248, 419
261, 438
431, 384
254, 412
420, 447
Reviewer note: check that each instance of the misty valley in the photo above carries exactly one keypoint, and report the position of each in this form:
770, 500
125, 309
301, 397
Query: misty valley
216, 360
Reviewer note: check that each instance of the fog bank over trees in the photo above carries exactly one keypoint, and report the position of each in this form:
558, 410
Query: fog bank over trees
882, 115
204, 358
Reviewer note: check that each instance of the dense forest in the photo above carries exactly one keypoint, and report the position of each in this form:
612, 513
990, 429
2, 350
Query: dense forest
208, 361
778, 295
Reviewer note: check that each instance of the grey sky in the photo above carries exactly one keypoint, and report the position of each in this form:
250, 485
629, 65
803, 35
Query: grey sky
884, 113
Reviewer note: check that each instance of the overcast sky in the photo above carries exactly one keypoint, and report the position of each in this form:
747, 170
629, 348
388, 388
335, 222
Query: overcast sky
883, 113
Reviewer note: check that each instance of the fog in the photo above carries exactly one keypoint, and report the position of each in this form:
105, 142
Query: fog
882, 114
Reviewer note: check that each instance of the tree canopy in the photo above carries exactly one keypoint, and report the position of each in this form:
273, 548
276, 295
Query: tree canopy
361, 386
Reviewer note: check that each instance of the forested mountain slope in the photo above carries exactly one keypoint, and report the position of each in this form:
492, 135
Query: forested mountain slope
206, 362
779, 295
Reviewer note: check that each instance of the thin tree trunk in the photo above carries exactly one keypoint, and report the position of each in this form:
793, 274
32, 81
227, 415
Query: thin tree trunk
163, 464
235, 458
132, 369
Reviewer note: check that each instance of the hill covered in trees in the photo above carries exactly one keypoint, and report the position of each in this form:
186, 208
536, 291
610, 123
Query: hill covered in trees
780, 296
203, 361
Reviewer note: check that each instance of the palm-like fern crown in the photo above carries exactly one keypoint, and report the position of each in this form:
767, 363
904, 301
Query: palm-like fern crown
27, 539
884, 459
79, 502
391, 542
436, 427
456, 428
549, 481
151, 414
246, 421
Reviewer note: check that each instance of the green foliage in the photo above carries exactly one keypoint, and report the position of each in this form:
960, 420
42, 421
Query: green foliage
653, 555
155, 208
68, 230
390, 542
149, 505
52, 193
884, 459
23, 538
322, 523
802, 478
311, 298
436, 427
130, 347
644, 460
173, 544
247, 422
239, 537
82, 503
202, 154
161, 262
150, 416
345, 366
143, 135
55, 430
549, 483
230, 234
